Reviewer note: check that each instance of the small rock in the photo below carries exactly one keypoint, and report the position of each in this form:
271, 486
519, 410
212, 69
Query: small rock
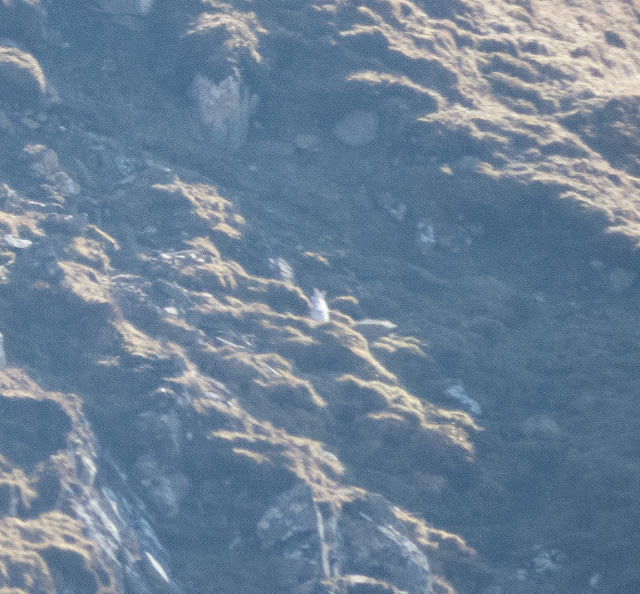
316, 541
16, 242
307, 142
357, 128
620, 279
457, 392
283, 269
163, 490
45, 162
29, 123
394, 206
5, 122
292, 515
541, 426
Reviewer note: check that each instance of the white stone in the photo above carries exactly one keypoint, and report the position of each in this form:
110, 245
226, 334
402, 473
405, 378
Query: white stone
457, 392
16, 242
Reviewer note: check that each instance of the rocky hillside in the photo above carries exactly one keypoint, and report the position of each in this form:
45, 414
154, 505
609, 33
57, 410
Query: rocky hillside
319, 297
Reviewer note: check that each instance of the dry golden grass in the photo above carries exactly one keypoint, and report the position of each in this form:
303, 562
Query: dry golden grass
14, 223
208, 205
428, 536
347, 337
23, 542
304, 457
226, 271
292, 386
289, 333
21, 219
15, 383
105, 236
84, 282
90, 251
518, 73
384, 78
23, 62
400, 405
20, 484
394, 343
242, 28
139, 344
317, 258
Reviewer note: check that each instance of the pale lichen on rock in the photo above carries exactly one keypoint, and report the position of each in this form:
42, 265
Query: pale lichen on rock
225, 109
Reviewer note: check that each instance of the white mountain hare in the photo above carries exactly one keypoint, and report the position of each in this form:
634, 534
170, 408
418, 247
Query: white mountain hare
319, 310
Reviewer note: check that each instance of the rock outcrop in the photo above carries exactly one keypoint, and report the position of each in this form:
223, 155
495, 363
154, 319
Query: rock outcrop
454, 414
